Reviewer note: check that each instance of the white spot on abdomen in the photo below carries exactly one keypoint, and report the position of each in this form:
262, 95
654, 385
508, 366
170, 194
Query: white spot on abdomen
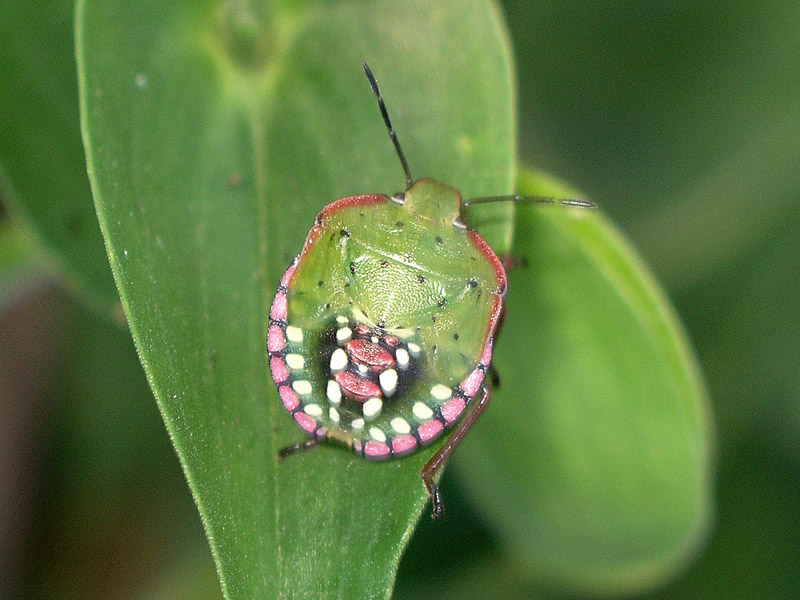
295, 361
388, 381
441, 392
302, 387
422, 411
402, 358
400, 425
338, 360
372, 408
295, 334
315, 410
334, 392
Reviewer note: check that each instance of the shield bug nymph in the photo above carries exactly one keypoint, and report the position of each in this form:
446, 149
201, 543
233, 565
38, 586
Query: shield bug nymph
381, 331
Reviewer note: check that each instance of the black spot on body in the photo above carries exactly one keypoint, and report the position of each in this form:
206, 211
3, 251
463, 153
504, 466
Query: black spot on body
384, 263
319, 283
438, 240
433, 318
455, 336
344, 232
327, 305
473, 282
442, 302
421, 278
399, 224
352, 268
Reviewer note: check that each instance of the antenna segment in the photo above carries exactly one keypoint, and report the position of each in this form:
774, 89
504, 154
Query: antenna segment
392, 135
531, 200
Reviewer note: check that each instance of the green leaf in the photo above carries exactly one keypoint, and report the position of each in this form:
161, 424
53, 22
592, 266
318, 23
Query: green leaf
592, 460
22, 263
214, 133
43, 173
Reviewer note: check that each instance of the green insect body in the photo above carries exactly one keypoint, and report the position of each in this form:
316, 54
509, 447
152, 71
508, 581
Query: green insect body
381, 329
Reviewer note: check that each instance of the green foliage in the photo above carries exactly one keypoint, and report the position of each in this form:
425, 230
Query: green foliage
593, 459
21, 261
214, 132
43, 172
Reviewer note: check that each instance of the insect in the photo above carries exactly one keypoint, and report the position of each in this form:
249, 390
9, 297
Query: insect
380, 334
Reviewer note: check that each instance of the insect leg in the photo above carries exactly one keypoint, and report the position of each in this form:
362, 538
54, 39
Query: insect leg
514, 261
494, 376
437, 460
300, 447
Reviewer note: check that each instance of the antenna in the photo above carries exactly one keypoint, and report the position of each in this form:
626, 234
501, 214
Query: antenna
392, 135
531, 200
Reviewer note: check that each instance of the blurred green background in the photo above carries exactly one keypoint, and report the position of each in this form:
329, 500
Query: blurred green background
681, 119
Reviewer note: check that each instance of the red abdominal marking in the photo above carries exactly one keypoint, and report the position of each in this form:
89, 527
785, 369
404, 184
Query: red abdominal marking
365, 367
357, 388
369, 354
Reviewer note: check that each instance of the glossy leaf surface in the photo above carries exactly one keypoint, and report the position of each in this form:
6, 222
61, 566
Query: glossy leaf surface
592, 460
214, 133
